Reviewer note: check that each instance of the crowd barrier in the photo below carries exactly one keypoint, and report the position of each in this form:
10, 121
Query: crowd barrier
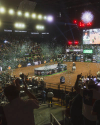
58, 89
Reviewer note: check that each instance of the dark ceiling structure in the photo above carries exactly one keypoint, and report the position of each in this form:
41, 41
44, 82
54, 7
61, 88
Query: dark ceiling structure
64, 12
55, 6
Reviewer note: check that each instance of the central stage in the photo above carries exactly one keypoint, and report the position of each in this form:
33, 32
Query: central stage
50, 69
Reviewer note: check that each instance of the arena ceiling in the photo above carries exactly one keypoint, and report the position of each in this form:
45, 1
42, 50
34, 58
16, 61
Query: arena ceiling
64, 12
54, 6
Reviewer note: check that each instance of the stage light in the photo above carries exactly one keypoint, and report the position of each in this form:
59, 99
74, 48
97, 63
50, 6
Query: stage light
87, 17
40, 17
75, 21
26, 14
16, 25
42, 27
69, 42
81, 24
11, 11
23, 25
49, 18
19, 25
76, 42
2, 10
39, 27
33, 15
45, 17
19, 13
89, 24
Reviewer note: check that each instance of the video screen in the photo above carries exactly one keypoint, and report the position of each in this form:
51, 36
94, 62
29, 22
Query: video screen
91, 36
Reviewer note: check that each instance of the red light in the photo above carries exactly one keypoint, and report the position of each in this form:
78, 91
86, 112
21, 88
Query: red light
81, 24
69, 42
76, 42
75, 21
89, 24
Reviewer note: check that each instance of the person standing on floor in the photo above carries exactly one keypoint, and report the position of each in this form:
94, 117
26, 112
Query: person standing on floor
43, 96
50, 96
89, 96
18, 111
63, 94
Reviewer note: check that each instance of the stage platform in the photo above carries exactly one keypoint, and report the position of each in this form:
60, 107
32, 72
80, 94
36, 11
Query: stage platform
50, 69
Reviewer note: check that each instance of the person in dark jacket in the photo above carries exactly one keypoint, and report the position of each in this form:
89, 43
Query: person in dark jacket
76, 110
43, 96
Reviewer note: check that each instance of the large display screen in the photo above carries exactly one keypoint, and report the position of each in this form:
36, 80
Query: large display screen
91, 36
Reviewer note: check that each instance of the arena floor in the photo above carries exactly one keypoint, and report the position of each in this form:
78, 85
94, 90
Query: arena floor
70, 77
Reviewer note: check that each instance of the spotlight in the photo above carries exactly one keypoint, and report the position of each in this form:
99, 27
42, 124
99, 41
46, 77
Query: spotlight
45, 17
87, 17
81, 24
75, 21
2, 10
76, 42
22, 25
69, 42
26, 14
16, 25
49, 18
39, 27
89, 24
19, 25
40, 17
33, 15
19, 13
11, 11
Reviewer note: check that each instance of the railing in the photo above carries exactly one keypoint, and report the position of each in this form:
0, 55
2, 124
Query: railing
53, 120
64, 117
59, 87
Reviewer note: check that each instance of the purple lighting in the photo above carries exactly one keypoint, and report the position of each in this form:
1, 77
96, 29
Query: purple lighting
49, 18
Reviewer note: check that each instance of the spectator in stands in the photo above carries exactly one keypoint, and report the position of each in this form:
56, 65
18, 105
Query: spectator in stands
3, 96
50, 96
72, 89
76, 110
42, 83
43, 96
63, 94
3, 120
29, 82
96, 111
67, 99
89, 96
36, 84
33, 80
18, 111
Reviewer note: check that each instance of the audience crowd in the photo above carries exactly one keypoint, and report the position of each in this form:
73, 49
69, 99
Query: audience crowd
16, 50
82, 106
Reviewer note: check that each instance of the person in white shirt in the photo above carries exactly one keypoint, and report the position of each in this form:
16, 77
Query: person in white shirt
18, 111
50, 95
86, 37
74, 66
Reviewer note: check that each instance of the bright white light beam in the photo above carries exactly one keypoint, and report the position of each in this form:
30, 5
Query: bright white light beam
87, 17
